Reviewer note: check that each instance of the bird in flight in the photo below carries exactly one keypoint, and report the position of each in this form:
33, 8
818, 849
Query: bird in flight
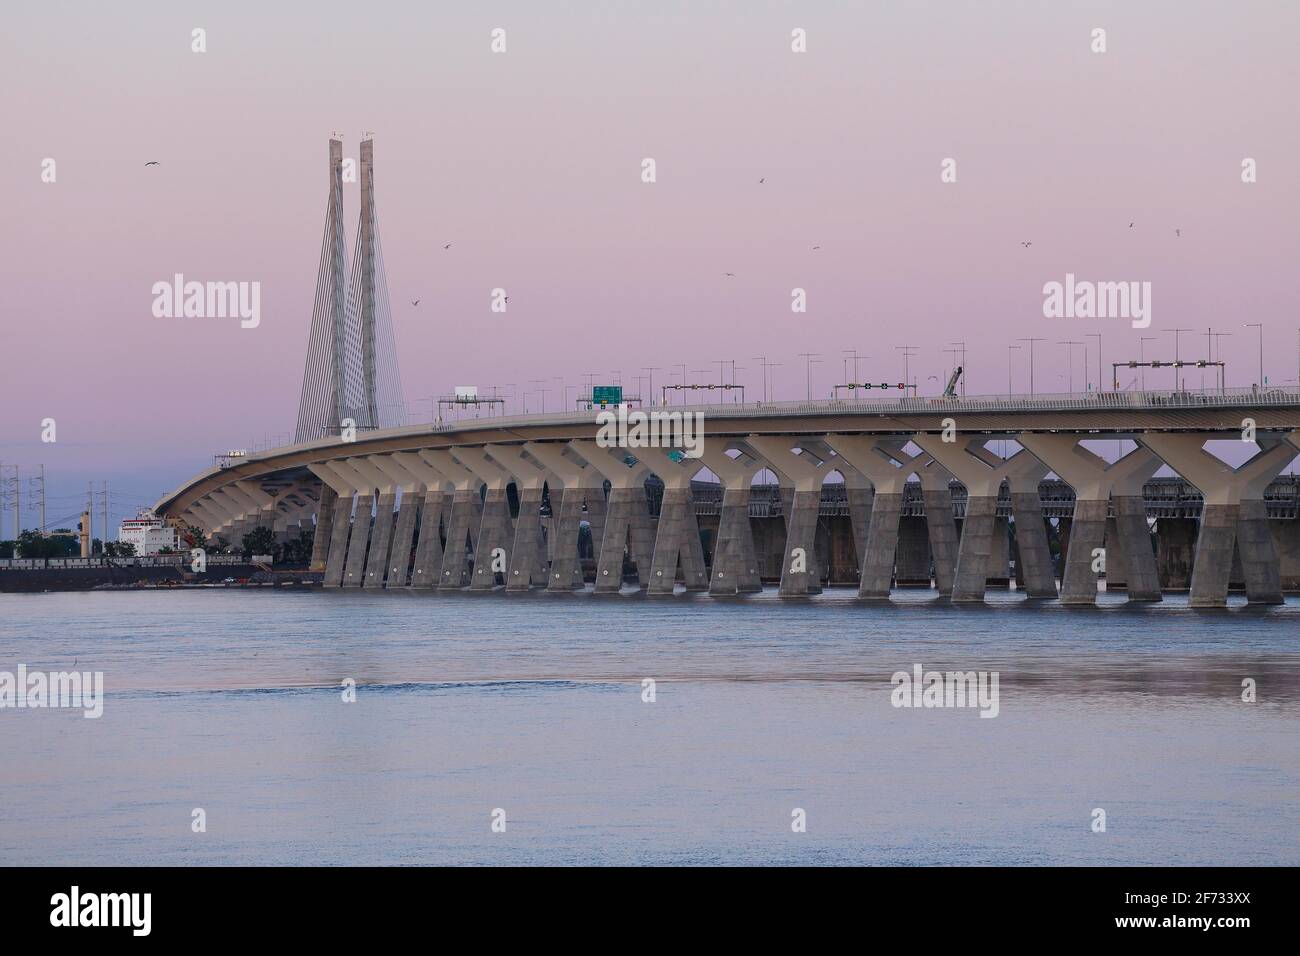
447, 246
1130, 225
815, 248
153, 163
1178, 232
763, 180
415, 302
729, 275
1026, 244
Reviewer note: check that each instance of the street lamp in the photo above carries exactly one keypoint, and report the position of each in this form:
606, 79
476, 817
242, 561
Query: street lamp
1031, 360
1071, 343
1260, 326
1097, 336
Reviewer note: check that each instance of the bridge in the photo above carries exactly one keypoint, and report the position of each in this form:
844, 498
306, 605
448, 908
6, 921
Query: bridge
871, 492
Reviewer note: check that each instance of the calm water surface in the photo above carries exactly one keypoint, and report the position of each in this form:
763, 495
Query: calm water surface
230, 700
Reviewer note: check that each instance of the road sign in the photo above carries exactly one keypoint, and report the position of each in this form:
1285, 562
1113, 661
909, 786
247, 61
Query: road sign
607, 394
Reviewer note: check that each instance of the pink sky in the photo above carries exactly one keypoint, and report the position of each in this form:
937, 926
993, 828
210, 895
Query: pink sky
529, 163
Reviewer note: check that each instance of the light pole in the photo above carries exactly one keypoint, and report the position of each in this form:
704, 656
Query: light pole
1010, 349
810, 359
1218, 350
1071, 343
1142, 369
1031, 360
856, 356
762, 359
651, 369
1178, 385
1260, 326
908, 351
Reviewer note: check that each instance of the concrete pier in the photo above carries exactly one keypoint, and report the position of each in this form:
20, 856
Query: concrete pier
1034, 554
571, 481
628, 530
1133, 537
1225, 489
1094, 483
355, 569
805, 471
735, 561
882, 545
426, 569
677, 538
982, 472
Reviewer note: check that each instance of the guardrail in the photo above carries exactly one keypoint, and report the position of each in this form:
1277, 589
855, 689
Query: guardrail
141, 561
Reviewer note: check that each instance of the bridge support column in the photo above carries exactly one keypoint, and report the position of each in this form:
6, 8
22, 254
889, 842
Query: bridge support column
860, 497
1095, 482
399, 561
942, 527
320, 543
580, 481
1225, 489
626, 520
973, 557
1035, 554
391, 566
566, 572
597, 509
381, 539
496, 528
735, 561
426, 571
677, 539
355, 569
528, 553
338, 551
882, 544
1141, 577
982, 472
462, 517
495, 533
1087, 533
1259, 557
627, 527
528, 558
341, 482
800, 569
462, 538
883, 463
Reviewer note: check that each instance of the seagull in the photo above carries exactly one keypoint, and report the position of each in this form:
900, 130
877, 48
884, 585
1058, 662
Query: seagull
1026, 244
815, 248
763, 180
153, 163
415, 302
1178, 232
1130, 225
731, 275
447, 246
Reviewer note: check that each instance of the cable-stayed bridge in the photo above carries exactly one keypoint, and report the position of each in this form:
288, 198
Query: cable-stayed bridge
499, 503
351, 374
